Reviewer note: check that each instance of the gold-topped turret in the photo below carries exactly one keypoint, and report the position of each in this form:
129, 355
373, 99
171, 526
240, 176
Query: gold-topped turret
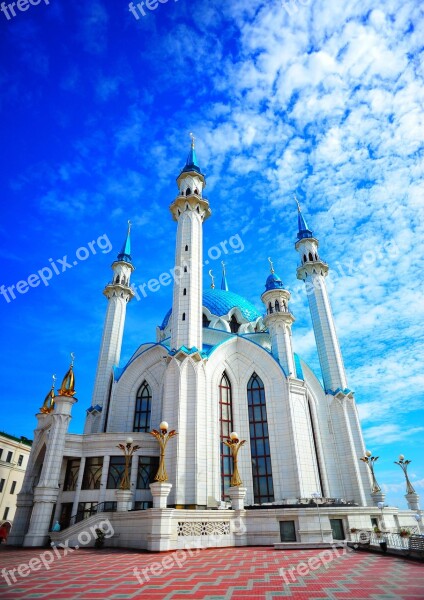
48, 404
68, 384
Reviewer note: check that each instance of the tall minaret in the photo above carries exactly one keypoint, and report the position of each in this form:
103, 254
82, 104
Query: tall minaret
189, 209
279, 321
118, 294
47, 490
313, 272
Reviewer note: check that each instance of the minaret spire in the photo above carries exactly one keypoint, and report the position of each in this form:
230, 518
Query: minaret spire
313, 271
125, 254
347, 432
118, 293
224, 283
189, 209
303, 229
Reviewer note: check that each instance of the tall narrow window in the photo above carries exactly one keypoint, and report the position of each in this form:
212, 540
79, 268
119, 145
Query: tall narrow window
92, 473
147, 469
116, 471
71, 476
143, 408
226, 426
263, 489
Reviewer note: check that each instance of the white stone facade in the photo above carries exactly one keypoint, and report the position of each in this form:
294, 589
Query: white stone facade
218, 366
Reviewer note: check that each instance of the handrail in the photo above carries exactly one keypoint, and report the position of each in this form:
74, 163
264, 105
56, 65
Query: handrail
81, 515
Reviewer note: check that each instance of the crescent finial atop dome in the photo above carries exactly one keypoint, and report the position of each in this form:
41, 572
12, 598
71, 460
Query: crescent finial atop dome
68, 384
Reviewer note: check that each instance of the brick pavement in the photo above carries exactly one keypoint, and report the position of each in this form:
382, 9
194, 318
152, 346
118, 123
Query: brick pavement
211, 574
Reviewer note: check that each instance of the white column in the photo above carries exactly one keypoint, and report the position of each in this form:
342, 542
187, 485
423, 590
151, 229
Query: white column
47, 490
25, 497
187, 298
110, 349
328, 347
78, 487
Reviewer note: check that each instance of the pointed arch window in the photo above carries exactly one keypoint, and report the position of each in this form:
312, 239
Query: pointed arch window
311, 258
234, 325
143, 408
263, 488
277, 306
226, 427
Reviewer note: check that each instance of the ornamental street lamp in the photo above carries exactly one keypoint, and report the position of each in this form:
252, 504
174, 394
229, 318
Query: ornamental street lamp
418, 519
317, 495
163, 438
128, 449
369, 461
234, 445
381, 507
404, 466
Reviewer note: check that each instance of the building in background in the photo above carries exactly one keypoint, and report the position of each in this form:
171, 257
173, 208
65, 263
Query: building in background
218, 365
14, 454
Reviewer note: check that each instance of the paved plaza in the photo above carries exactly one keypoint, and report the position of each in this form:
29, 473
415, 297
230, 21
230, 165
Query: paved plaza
212, 574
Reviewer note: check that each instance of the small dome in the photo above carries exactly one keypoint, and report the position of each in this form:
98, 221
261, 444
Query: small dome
273, 282
220, 302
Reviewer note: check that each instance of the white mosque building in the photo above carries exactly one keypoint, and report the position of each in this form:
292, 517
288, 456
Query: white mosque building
218, 366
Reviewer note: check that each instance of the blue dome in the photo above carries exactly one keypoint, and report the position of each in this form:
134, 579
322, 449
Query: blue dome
273, 282
220, 302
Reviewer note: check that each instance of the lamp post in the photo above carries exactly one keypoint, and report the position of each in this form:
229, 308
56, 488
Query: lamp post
163, 438
383, 540
317, 495
411, 495
404, 466
128, 449
234, 445
381, 507
370, 460
236, 491
418, 519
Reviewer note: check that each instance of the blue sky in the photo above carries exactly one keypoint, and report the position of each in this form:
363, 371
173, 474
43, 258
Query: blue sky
324, 99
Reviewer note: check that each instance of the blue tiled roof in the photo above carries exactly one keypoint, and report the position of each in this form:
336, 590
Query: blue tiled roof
304, 231
125, 253
220, 302
273, 282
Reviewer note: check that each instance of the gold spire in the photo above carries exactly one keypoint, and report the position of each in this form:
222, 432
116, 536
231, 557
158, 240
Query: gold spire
192, 140
213, 279
272, 266
68, 384
48, 404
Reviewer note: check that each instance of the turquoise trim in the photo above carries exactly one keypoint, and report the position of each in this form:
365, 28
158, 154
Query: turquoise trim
118, 372
220, 303
298, 366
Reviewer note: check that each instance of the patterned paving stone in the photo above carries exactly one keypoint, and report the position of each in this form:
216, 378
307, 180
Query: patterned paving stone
213, 574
